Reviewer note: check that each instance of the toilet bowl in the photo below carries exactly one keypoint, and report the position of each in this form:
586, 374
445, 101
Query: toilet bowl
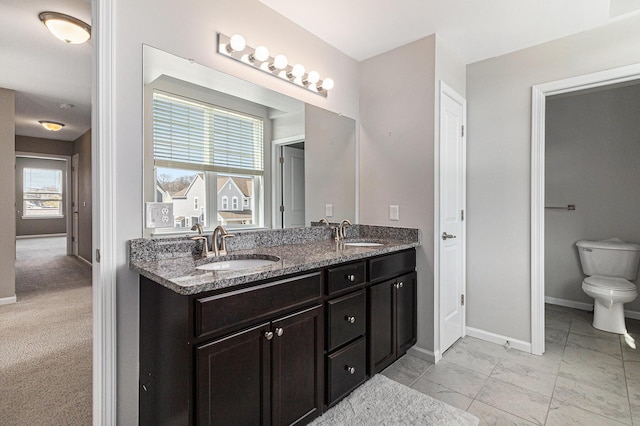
609, 264
609, 294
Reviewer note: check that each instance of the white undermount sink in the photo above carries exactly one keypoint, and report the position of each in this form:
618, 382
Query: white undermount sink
363, 243
238, 263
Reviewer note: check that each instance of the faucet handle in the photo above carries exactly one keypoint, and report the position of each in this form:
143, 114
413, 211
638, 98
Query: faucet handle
205, 244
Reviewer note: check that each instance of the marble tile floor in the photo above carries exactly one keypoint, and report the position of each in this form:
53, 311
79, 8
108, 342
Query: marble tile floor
585, 377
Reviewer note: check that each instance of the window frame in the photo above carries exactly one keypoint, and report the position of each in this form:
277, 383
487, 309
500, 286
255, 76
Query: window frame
60, 200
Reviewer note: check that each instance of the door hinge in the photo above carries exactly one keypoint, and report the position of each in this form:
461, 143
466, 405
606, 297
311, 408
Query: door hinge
98, 255
462, 132
462, 215
281, 209
462, 299
281, 160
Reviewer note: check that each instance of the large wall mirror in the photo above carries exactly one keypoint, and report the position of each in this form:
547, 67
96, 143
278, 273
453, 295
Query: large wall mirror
224, 151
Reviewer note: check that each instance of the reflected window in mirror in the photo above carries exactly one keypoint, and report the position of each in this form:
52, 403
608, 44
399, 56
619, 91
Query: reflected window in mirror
207, 159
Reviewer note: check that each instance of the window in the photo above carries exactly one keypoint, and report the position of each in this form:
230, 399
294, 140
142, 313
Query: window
245, 202
42, 193
206, 151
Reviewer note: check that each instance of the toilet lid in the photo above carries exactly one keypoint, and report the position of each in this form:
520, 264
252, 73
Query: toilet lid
610, 283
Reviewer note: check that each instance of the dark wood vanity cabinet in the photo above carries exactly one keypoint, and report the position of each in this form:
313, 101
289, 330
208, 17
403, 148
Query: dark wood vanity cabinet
392, 312
275, 352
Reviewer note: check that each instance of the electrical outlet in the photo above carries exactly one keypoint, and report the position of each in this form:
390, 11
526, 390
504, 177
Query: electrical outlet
394, 212
159, 215
328, 210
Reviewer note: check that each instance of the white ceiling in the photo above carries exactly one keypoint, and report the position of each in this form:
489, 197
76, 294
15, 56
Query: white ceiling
44, 71
474, 29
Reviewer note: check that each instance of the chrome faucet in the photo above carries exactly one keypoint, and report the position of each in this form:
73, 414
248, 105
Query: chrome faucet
324, 221
197, 227
220, 248
340, 231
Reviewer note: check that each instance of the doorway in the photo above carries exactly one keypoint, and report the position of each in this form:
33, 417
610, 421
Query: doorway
539, 95
289, 182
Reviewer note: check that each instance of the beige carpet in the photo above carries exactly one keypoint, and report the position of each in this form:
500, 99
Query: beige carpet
384, 402
46, 339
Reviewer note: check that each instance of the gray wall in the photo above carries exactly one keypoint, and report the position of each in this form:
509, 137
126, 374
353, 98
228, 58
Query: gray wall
43, 146
192, 36
7, 192
25, 227
498, 167
82, 147
592, 156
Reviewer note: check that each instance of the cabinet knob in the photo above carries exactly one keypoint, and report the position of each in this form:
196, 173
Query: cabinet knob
350, 319
279, 331
350, 277
400, 284
268, 335
350, 370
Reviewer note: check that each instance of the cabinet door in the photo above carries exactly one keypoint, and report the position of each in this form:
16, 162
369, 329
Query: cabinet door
298, 378
405, 313
381, 330
233, 379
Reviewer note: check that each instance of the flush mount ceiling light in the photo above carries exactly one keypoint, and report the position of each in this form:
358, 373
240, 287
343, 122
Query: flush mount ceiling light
236, 47
51, 125
67, 28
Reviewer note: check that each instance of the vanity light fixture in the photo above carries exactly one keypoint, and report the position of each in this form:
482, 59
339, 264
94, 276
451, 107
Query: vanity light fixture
67, 28
51, 125
236, 47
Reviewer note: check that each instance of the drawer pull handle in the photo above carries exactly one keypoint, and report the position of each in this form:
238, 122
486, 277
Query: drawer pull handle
350, 319
399, 285
350, 370
279, 331
350, 277
268, 335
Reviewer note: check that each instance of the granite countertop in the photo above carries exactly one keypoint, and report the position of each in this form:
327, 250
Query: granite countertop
179, 273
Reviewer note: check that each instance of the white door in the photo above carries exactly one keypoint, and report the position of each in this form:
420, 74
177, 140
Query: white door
293, 187
74, 204
451, 231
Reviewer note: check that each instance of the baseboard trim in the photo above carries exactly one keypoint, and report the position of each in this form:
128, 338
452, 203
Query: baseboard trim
424, 354
24, 237
568, 303
82, 259
499, 339
8, 300
585, 306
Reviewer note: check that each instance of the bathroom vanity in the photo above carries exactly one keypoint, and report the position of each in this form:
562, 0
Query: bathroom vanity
277, 344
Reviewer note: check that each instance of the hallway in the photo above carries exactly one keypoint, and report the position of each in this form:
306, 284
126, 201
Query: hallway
46, 338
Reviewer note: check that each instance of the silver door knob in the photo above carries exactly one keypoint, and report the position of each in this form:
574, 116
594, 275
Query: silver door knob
279, 331
350, 370
446, 236
350, 319
268, 335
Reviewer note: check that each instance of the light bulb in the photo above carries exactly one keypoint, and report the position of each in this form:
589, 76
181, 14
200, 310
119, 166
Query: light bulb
237, 43
280, 62
312, 78
327, 84
261, 54
297, 71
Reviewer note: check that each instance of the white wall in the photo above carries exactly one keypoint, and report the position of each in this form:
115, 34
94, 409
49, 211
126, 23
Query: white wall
7, 192
188, 29
499, 156
592, 161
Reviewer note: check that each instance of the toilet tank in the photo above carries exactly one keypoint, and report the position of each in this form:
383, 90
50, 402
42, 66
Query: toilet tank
609, 258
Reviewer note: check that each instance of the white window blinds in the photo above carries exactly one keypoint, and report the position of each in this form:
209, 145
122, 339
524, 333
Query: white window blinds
197, 136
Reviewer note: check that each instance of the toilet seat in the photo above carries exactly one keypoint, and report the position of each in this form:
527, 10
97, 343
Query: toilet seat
604, 285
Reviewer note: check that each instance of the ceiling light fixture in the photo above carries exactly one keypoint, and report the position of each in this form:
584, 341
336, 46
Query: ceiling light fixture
236, 47
51, 125
67, 28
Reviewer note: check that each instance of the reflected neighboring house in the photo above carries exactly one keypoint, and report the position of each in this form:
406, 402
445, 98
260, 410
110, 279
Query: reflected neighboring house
235, 200
188, 203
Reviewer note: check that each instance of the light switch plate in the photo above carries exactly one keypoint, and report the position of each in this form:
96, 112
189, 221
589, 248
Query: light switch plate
394, 212
159, 215
328, 210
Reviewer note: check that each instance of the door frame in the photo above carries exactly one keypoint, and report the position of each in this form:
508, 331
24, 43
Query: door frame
538, 104
446, 89
67, 188
276, 178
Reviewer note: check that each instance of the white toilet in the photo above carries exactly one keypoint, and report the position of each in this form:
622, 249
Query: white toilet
610, 265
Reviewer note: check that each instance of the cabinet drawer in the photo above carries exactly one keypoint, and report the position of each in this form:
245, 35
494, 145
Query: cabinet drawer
346, 319
344, 277
227, 312
388, 266
345, 370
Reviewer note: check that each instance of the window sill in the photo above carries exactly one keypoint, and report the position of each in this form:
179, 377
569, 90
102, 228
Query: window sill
43, 217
